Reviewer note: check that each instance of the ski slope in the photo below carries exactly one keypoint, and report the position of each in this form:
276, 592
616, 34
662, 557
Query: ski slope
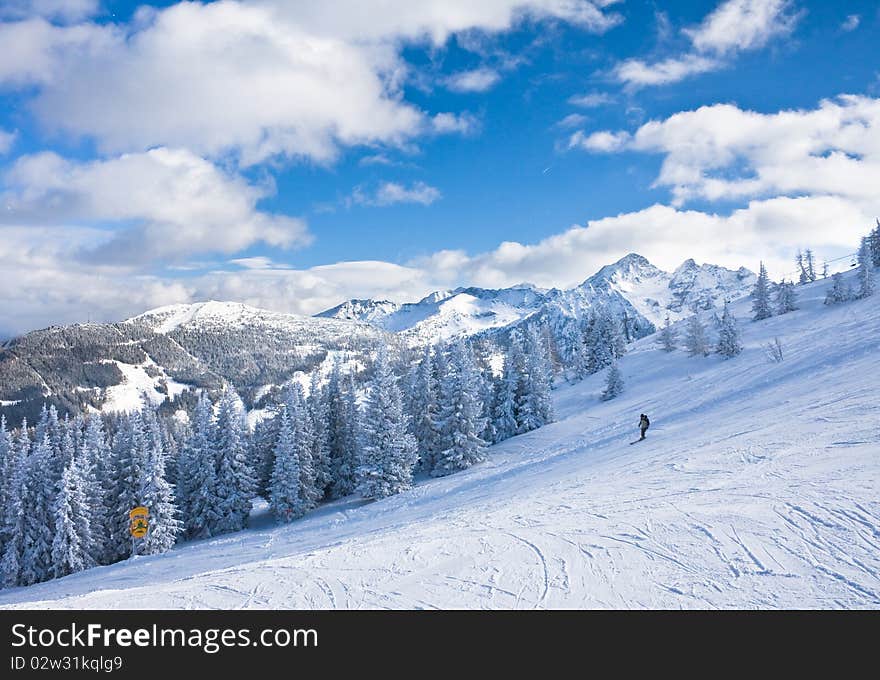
756, 488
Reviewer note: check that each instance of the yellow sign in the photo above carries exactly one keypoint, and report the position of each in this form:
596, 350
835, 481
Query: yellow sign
139, 521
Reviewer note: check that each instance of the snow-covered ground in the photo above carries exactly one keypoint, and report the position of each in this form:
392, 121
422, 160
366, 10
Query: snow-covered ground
757, 487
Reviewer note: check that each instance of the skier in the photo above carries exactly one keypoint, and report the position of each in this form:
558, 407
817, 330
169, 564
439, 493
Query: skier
644, 424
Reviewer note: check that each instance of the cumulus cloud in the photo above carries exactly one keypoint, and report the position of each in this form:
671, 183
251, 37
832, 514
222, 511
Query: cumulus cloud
452, 123
733, 26
392, 193
47, 287
851, 23
6, 141
737, 25
639, 73
436, 20
602, 141
58, 10
572, 120
722, 152
163, 204
476, 80
591, 100
295, 81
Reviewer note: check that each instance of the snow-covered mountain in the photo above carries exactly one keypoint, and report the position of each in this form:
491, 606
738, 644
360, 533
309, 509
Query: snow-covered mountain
631, 286
757, 487
446, 314
163, 353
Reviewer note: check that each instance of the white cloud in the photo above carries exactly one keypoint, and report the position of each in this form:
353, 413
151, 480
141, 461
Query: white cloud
638, 73
47, 284
257, 80
738, 25
6, 141
476, 80
59, 10
734, 26
572, 120
436, 20
722, 152
602, 141
851, 23
591, 100
392, 193
163, 204
455, 123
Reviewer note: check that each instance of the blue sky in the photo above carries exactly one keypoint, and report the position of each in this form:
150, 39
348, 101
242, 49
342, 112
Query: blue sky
291, 155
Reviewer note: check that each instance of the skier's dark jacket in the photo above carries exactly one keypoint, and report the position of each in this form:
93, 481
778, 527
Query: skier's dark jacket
644, 423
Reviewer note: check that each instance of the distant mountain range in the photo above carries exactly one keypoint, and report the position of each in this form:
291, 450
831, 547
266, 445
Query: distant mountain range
162, 354
631, 285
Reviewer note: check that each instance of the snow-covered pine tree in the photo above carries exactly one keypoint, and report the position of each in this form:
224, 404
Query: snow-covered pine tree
604, 341
342, 432
39, 493
613, 383
7, 466
695, 340
786, 298
295, 403
319, 420
127, 474
389, 450
423, 408
72, 540
761, 296
729, 344
285, 497
460, 417
874, 244
235, 479
94, 460
262, 449
809, 265
14, 510
866, 270
504, 402
802, 269
840, 290
156, 494
540, 372
667, 339
198, 474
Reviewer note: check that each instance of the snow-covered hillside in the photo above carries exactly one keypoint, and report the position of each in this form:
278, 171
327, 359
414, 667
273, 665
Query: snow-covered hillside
758, 486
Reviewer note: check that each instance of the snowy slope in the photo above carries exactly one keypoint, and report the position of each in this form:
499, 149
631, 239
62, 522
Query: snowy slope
757, 487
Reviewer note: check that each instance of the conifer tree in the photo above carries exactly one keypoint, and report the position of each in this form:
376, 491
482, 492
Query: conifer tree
235, 479
460, 417
14, 525
71, 542
424, 409
285, 494
695, 340
728, 335
786, 298
389, 450
667, 340
761, 296
198, 475
319, 416
865, 271
613, 383
156, 494
840, 290
343, 433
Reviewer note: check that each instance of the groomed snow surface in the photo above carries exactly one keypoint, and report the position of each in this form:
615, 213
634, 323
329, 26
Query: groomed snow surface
757, 487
